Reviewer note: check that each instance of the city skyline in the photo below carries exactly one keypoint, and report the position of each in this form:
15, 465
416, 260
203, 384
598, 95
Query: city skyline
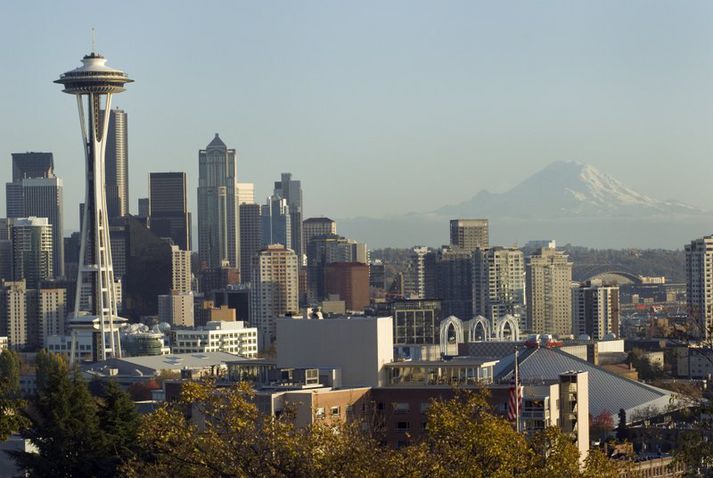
307, 98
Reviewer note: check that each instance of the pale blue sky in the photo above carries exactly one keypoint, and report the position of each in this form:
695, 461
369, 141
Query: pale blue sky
378, 107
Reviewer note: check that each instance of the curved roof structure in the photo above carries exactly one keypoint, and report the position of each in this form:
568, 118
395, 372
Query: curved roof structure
607, 391
617, 277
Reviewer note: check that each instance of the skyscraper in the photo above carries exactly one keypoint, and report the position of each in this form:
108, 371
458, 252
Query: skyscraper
499, 284
273, 289
699, 285
316, 226
218, 220
168, 208
96, 304
451, 281
250, 238
327, 249
469, 234
595, 310
32, 250
32, 165
291, 190
548, 290
276, 222
36, 191
117, 164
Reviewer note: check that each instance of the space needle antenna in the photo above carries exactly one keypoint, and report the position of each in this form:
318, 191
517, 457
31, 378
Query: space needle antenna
94, 40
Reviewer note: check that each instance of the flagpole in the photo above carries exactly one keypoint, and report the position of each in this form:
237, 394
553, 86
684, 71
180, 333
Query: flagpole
517, 394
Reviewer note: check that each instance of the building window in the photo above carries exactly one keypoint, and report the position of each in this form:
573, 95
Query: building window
403, 426
401, 407
319, 412
334, 411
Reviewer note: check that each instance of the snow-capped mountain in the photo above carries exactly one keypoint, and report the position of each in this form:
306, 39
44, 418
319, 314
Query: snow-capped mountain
567, 189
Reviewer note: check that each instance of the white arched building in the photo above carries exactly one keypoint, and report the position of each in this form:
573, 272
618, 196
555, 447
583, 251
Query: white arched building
477, 329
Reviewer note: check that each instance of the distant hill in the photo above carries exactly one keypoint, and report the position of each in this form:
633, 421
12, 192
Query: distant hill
645, 262
567, 201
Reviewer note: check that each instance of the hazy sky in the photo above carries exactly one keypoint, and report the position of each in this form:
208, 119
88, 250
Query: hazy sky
378, 107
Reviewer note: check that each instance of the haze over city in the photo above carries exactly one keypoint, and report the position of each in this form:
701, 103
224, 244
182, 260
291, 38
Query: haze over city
380, 109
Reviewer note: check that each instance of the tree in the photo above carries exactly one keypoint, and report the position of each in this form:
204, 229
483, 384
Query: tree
555, 454
62, 423
622, 430
601, 426
695, 446
466, 439
75, 434
220, 432
118, 424
11, 402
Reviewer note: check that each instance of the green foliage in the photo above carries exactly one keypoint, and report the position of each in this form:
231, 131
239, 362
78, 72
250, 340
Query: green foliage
65, 424
10, 400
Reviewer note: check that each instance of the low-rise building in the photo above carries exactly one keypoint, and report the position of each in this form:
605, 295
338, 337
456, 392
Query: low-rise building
217, 336
359, 346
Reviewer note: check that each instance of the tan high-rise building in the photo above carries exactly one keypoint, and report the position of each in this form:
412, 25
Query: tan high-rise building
499, 284
176, 309
549, 295
13, 314
469, 234
699, 285
181, 270
51, 313
274, 289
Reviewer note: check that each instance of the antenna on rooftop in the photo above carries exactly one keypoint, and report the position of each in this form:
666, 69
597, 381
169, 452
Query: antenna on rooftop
94, 41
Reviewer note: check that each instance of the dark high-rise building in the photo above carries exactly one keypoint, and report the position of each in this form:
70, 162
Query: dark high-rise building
168, 208
117, 164
144, 208
316, 226
291, 190
32, 165
250, 237
37, 192
276, 223
146, 261
469, 234
449, 278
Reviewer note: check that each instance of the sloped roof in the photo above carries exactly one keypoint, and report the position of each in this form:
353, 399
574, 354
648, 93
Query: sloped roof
217, 142
607, 391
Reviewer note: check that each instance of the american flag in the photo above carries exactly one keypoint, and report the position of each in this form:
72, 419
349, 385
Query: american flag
514, 391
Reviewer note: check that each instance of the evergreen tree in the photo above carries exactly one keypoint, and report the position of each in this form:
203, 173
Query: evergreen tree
622, 432
63, 424
118, 422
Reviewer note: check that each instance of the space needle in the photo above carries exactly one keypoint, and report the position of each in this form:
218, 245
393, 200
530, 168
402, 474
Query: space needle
95, 306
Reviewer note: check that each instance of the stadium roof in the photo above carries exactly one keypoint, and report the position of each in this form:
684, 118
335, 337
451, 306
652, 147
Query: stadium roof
607, 391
